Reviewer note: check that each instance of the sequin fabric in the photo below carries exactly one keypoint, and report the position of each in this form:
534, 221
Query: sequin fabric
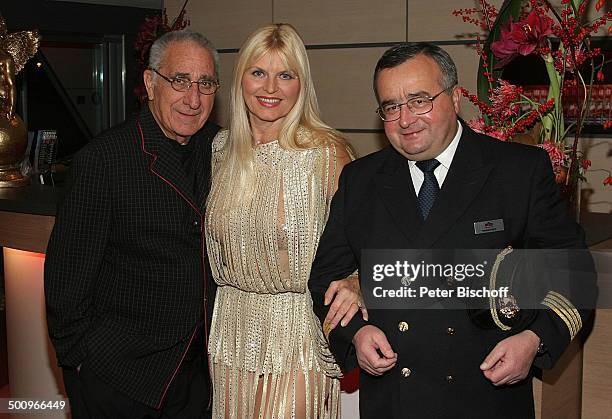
21, 46
268, 354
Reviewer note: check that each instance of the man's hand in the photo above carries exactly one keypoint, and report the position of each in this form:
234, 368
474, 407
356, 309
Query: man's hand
509, 362
370, 342
347, 300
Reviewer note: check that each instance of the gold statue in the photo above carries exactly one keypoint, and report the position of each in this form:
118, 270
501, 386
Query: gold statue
15, 50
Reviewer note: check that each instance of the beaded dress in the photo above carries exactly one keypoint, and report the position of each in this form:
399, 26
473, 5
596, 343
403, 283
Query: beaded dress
265, 338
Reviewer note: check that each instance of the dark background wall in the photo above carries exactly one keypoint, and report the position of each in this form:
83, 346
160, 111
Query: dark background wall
58, 19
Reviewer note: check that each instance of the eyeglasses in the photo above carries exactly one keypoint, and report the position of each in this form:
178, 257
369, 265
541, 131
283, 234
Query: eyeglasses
181, 84
418, 105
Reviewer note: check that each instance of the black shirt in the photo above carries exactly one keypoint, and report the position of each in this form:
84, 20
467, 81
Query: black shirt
185, 153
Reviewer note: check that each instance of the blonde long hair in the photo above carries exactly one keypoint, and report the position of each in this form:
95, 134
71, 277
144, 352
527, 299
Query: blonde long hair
283, 39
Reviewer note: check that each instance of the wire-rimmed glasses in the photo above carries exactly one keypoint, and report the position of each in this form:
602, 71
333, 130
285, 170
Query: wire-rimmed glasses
418, 105
182, 84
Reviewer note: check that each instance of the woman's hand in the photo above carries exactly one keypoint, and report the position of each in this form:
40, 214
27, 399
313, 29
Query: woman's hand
347, 300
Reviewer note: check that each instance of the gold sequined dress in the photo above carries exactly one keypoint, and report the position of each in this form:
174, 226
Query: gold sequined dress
268, 356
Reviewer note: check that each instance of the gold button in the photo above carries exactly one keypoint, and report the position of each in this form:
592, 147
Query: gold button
403, 326
406, 372
450, 379
450, 331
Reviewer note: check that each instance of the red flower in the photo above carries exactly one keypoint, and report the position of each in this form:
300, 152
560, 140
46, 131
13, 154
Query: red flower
600, 76
153, 28
557, 157
504, 99
477, 124
585, 164
570, 61
608, 181
499, 134
522, 37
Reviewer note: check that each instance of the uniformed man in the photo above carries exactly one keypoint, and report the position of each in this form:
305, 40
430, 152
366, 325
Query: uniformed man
434, 188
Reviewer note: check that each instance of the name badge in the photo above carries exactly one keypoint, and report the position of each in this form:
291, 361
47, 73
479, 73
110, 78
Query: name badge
490, 226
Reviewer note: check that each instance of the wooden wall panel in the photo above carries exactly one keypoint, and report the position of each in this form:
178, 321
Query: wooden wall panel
344, 21
595, 196
466, 60
225, 23
561, 386
343, 81
366, 143
434, 21
221, 110
597, 379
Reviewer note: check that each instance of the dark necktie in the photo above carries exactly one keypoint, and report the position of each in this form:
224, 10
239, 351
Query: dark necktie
430, 188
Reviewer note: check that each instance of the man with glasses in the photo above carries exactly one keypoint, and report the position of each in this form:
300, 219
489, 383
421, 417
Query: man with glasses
441, 186
128, 289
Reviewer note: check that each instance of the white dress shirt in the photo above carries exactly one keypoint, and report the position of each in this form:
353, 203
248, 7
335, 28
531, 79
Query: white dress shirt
445, 158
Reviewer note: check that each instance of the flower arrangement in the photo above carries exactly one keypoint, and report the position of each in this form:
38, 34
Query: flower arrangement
562, 38
152, 28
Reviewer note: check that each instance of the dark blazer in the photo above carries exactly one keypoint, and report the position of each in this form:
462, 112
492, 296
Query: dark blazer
376, 207
126, 275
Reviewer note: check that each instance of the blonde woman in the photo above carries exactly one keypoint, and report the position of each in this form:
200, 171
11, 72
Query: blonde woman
274, 173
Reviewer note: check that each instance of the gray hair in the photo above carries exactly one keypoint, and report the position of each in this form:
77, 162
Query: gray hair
159, 46
401, 53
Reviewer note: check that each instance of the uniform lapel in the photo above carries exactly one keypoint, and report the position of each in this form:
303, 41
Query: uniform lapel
465, 179
164, 163
395, 188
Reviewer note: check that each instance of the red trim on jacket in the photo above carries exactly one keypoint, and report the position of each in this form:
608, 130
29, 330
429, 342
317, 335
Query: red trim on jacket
203, 253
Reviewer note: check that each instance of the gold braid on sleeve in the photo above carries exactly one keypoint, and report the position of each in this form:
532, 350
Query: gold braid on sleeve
565, 310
